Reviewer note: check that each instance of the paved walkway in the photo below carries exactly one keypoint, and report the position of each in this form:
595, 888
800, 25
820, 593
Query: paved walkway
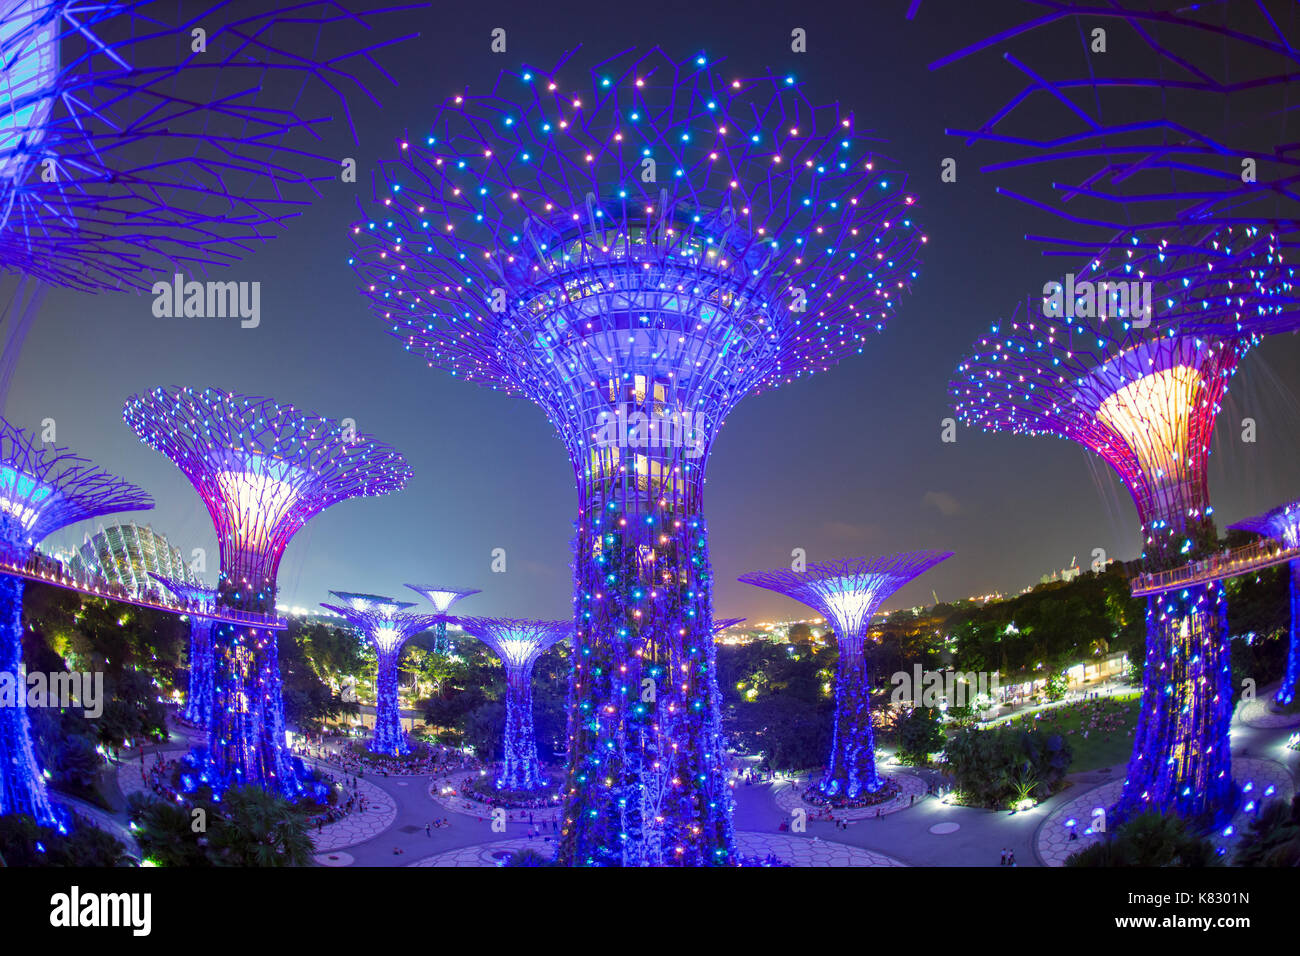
357, 826
1256, 713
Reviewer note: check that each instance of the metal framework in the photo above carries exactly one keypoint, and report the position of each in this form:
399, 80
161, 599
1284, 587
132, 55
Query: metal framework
1180, 123
131, 557
128, 145
1146, 405
263, 470
442, 598
635, 251
519, 643
42, 488
200, 602
848, 593
387, 625
1282, 524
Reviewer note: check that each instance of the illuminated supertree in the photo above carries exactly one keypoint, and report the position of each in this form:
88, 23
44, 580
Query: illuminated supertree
387, 625
1146, 405
137, 136
722, 624
263, 470
635, 257
518, 643
848, 593
42, 488
1283, 525
442, 598
200, 602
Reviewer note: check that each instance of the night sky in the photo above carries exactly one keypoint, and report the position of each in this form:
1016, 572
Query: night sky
846, 463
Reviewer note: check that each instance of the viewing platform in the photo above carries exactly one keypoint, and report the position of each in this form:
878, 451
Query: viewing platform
1224, 564
50, 571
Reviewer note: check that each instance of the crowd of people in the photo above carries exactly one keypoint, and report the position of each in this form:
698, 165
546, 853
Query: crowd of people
469, 788
336, 749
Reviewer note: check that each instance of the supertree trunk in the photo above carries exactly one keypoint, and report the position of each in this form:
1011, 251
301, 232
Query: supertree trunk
1181, 759
198, 701
646, 783
851, 770
246, 743
1286, 693
22, 789
520, 768
389, 737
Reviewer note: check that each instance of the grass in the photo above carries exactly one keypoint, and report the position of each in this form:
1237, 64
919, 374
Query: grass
1108, 723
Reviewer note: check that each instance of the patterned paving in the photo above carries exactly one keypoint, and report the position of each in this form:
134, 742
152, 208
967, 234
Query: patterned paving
789, 798
1259, 779
357, 827
1255, 713
475, 808
798, 851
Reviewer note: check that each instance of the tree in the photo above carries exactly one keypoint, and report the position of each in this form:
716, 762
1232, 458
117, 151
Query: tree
257, 828
24, 842
920, 733
1273, 838
166, 831
1150, 839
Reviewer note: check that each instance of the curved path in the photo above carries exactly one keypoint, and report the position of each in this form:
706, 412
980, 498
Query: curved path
440, 786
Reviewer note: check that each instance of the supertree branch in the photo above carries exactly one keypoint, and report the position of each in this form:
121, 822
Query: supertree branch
263, 470
721, 624
519, 643
127, 146
442, 597
1282, 524
387, 626
1179, 120
199, 601
1143, 399
42, 488
848, 593
635, 248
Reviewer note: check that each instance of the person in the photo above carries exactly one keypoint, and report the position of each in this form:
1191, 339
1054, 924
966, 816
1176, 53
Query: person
1011, 858
428, 830
1003, 860
1074, 832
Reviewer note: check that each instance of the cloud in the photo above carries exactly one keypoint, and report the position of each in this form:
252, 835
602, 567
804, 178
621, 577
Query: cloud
946, 503
847, 531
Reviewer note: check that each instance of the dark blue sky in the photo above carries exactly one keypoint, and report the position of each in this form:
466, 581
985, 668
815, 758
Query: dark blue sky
846, 463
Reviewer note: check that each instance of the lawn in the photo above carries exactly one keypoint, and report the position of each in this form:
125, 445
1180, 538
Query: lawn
1099, 732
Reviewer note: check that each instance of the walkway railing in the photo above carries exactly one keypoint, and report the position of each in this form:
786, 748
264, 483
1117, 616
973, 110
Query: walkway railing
47, 570
1224, 564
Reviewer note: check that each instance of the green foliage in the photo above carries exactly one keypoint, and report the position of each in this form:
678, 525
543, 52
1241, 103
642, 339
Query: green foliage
1057, 686
1273, 838
166, 833
529, 857
1150, 839
920, 734
996, 767
789, 733
21, 835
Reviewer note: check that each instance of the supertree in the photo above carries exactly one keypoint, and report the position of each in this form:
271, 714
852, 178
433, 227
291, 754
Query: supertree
442, 598
137, 135
518, 643
42, 488
263, 470
848, 593
635, 257
1283, 525
387, 625
722, 624
1145, 403
200, 602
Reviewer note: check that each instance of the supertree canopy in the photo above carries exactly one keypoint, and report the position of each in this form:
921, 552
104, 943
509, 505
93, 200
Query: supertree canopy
42, 488
635, 250
130, 144
518, 643
1283, 525
387, 625
848, 593
1137, 119
263, 470
200, 601
1145, 404
442, 598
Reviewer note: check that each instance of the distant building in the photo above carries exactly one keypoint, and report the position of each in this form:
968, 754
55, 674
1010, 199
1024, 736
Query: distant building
126, 554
